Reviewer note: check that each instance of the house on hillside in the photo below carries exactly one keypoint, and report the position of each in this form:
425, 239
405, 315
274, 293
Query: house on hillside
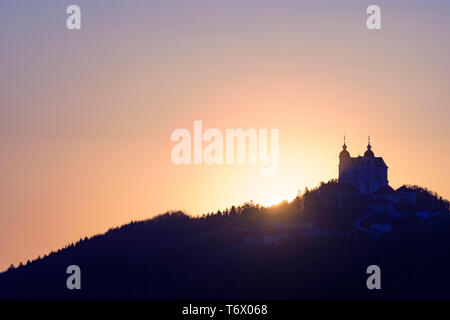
259, 239
384, 200
406, 196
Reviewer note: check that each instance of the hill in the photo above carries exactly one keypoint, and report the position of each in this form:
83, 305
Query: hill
308, 248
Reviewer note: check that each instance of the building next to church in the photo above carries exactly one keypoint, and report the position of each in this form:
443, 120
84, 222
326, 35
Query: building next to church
368, 173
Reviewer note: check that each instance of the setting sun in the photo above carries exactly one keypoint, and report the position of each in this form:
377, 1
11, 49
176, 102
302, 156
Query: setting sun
277, 200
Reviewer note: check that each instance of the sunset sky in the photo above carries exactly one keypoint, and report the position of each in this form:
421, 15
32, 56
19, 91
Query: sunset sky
86, 115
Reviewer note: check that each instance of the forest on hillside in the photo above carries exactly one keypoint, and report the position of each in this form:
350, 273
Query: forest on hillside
177, 256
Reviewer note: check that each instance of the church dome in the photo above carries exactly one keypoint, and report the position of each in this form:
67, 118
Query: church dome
369, 152
344, 153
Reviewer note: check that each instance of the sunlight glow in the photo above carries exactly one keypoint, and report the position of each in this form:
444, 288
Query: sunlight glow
276, 200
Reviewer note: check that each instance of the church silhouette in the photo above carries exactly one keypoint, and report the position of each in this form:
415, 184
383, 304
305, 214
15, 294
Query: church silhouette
368, 173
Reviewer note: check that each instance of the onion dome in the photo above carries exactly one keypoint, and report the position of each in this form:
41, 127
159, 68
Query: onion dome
344, 153
369, 152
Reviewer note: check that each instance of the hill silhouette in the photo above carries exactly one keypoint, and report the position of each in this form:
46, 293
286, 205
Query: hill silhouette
306, 248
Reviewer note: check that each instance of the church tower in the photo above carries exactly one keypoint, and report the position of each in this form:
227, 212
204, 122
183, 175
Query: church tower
344, 160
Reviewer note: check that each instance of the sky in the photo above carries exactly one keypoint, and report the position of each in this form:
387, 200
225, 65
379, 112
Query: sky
86, 115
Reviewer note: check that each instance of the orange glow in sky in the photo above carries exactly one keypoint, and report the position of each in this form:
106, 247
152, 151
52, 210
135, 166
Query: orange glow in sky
86, 117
